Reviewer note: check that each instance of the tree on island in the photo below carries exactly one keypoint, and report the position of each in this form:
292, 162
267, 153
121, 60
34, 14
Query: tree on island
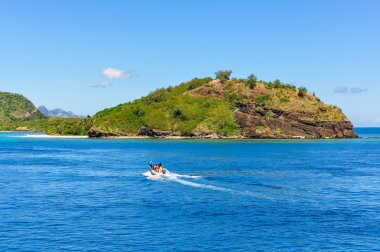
251, 81
223, 75
302, 91
277, 83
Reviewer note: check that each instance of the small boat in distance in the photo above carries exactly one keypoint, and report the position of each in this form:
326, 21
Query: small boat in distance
157, 169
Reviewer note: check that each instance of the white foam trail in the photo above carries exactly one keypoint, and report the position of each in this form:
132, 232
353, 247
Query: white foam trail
175, 178
186, 176
151, 176
168, 175
199, 185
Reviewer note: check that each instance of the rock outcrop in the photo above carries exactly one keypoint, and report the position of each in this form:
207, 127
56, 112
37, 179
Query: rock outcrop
144, 131
286, 124
94, 132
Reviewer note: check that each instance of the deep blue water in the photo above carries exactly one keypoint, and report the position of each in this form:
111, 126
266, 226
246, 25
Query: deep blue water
253, 195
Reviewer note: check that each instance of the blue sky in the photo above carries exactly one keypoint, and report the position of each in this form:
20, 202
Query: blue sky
85, 56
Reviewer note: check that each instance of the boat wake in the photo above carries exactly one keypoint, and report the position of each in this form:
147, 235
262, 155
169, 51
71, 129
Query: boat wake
167, 176
178, 178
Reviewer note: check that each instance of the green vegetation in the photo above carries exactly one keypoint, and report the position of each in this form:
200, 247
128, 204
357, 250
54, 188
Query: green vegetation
251, 81
60, 126
15, 109
195, 83
173, 110
223, 76
263, 99
302, 91
284, 99
279, 84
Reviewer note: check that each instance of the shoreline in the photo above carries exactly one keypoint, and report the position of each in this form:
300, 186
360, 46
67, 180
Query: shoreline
28, 135
175, 137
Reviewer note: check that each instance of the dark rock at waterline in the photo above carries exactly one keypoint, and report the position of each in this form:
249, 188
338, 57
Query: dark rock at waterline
145, 131
98, 133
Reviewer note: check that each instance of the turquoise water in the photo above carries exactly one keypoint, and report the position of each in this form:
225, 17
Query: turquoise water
247, 195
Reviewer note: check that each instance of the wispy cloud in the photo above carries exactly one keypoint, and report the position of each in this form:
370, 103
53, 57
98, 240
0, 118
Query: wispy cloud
352, 90
357, 90
102, 84
341, 90
114, 73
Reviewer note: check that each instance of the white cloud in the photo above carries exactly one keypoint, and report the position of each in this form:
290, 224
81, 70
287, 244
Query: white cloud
102, 84
113, 73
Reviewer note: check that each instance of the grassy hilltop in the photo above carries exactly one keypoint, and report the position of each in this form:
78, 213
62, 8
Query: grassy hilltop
15, 109
207, 107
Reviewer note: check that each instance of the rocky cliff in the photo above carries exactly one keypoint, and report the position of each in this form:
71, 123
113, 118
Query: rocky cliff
288, 124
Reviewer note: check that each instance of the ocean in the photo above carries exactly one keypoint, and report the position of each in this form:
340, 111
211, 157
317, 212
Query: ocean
221, 195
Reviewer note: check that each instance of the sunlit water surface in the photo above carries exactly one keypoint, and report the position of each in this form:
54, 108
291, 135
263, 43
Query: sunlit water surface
224, 195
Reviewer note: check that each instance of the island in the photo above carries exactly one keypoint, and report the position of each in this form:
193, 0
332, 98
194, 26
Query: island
220, 107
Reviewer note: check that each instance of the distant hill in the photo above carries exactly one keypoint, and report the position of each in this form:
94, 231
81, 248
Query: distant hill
58, 113
14, 109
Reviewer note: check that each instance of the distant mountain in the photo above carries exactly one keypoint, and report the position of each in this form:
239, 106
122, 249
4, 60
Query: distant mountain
58, 113
14, 109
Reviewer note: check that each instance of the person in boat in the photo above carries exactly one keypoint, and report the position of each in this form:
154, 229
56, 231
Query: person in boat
162, 169
154, 167
159, 168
